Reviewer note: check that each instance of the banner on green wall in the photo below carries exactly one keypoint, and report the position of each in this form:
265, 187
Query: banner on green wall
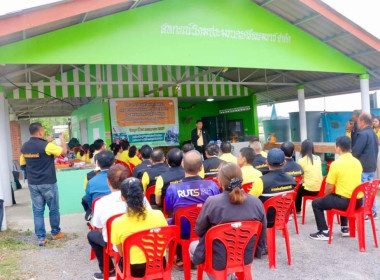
145, 121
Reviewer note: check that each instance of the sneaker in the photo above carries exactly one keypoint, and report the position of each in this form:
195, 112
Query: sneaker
345, 231
99, 275
320, 235
43, 242
375, 216
366, 218
58, 236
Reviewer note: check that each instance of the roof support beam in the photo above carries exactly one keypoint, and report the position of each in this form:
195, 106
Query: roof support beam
306, 19
24, 21
333, 38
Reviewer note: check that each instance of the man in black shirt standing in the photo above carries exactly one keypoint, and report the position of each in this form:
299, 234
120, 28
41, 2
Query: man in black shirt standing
38, 155
200, 138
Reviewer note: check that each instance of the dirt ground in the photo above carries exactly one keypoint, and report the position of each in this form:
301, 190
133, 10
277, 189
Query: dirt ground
69, 258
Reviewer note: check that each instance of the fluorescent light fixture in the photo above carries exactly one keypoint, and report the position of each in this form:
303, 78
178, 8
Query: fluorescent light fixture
210, 99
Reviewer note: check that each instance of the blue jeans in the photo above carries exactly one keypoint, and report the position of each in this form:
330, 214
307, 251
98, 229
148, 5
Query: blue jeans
369, 176
42, 195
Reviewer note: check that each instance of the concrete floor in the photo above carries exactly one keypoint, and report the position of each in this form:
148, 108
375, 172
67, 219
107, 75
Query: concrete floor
310, 259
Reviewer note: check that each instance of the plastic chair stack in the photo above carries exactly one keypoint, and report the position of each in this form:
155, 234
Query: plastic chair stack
308, 197
282, 204
108, 251
235, 237
153, 243
191, 214
369, 190
126, 165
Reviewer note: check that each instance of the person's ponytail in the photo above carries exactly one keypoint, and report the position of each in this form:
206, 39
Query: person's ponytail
237, 196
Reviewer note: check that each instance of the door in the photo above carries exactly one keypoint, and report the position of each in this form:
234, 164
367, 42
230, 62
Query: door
83, 132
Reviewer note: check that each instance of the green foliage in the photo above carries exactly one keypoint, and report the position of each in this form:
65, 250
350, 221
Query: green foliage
48, 124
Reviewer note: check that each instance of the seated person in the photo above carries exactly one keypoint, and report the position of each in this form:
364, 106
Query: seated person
245, 161
312, 173
229, 206
137, 218
174, 175
107, 207
139, 169
192, 190
157, 159
187, 147
98, 147
124, 156
259, 161
226, 156
345, 174
256, 139
291, 167
133, 159
275, 182
211, 164
97, 186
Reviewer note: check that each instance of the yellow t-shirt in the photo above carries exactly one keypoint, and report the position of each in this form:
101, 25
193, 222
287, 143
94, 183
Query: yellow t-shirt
125, 225
377, 134
145, 180
250, 174
22, 160
124, 156
52, 149
135, 160
345, 173
117, 157
264, 154
312, 173
257, 188
159, 186
228, 157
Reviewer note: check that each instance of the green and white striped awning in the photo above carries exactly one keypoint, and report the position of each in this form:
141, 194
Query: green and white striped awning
116, 81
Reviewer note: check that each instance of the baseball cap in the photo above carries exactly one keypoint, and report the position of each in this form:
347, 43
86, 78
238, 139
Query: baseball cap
276, 157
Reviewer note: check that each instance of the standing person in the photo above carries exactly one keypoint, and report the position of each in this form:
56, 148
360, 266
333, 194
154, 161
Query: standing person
227, 156
345, 175
366, 149
352, 128
200, 138
312, 173
139, 169
291, 167
245, 161
38, 155
231, 205
376, 129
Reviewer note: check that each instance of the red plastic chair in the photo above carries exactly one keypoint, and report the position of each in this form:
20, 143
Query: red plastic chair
153, 243
191, 214
247, 187
369, 191
308, 197
298, 180
109, 251
131, 167
150, 191
90, 227
282, 203
214, 179
370, 197
235, 237
128, 166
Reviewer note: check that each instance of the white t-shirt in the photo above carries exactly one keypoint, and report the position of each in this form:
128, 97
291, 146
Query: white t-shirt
108, 206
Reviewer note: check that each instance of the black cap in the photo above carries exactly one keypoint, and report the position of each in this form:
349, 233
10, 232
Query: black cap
276, 157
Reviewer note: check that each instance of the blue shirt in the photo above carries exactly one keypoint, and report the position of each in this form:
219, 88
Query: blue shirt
97, 187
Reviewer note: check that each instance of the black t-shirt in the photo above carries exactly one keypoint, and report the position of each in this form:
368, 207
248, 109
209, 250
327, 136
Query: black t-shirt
292, 168
211, 166
139, 169
260, 164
